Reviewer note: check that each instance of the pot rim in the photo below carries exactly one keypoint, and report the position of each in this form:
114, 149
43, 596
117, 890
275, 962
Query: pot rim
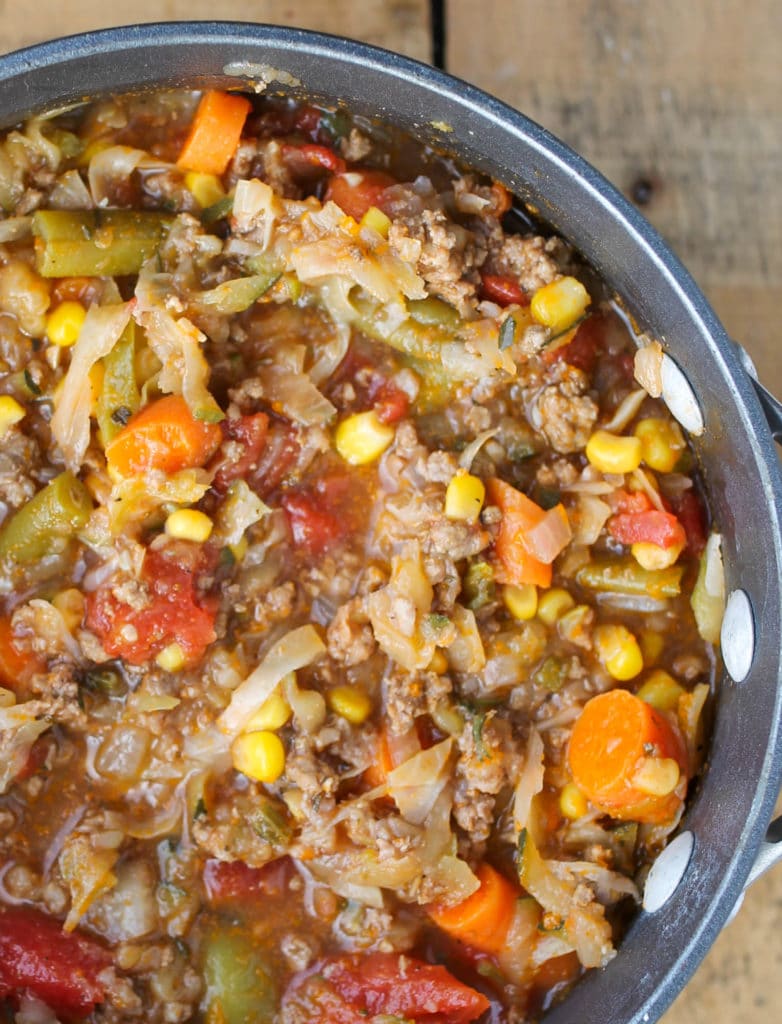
75, 67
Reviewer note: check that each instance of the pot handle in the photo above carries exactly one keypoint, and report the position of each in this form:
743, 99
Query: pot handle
769, 854
771, 405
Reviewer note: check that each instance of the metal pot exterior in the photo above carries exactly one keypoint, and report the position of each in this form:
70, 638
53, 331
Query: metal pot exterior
730, 812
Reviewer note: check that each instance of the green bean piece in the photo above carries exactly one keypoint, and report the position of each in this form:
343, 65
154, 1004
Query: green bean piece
269, 819
237, 295
421, 340
96, 243
217, 210
120, 396
626, 576
479, 588
434, 313
47, 522
240, 986
552, 674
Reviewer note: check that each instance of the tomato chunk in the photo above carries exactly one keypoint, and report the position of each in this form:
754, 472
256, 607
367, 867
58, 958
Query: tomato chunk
57, 967
690, 513
313, 528
176, 612
357, 191
234, 882
350, 989
651, 527
249, 434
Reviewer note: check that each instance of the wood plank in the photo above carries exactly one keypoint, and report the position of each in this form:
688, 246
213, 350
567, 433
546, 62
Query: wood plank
685, 96
689, 98
401, 25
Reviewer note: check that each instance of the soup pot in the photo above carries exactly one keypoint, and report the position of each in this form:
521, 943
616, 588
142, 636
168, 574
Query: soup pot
724, 838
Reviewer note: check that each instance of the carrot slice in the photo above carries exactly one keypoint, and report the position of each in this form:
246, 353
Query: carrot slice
519, 514
483, 919
214, 133
165, 436
616, 736
16, 666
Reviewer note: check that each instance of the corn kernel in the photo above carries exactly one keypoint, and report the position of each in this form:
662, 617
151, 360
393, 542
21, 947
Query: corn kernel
362, 438
70, 604
652, 644
553, 604
611, 453
11, 412
171, 658
259, 755
619, 652
448, 718
377, 221
205, 188
64, 324
521, 602
271, 715
661, 690
652, 556
572, 802
464, 497
239, 550
189, 524
657, 776
558, 305
349, 703
662, 443
438, 664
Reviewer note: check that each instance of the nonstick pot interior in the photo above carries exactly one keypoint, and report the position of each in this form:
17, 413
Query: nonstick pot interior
730, 812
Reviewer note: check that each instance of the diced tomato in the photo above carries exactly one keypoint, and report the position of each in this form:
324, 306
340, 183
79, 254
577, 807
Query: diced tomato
389, 402
691, 515
313, 528
582, 350
350, 989
307, 121
58, 968
234, 882
503, 290
356, 191
16, 666
652, 527
76, 289
303, 159
277, 457
249, 432
176, 611
630, 502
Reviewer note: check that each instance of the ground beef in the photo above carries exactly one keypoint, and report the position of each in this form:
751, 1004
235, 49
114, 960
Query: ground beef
448, 258
349, 637
355, 146
19, 457
566, 415
531, 260
408, 695
487, 761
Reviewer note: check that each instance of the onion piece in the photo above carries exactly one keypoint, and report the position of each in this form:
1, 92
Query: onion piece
472, 449
466, 653
417, 783
296, 396
625, 411
708, 595
590, 518
19, 729
648, 366
88, 872
293, 651
14, 228
530, 780
610, 886
549, 537
70, 424
256, 207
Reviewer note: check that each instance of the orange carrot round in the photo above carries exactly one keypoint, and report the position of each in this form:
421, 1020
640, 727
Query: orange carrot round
16, 666
483, 919
164, 435
214, 133
622, 755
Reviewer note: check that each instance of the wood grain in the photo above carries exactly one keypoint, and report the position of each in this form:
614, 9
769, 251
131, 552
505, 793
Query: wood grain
684, 97
401, 25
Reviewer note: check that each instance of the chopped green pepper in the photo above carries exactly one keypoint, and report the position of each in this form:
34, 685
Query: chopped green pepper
626, 576
120, 396
47, 522
551, 674
479, 588
96, 243
270, 821
240, 986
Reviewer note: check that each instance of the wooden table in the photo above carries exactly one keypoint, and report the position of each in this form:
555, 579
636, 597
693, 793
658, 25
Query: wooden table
680, 105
